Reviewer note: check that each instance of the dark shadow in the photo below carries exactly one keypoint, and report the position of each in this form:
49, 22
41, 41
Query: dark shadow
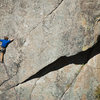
80, 58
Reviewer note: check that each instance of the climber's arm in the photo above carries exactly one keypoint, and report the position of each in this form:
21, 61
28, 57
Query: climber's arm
1, 40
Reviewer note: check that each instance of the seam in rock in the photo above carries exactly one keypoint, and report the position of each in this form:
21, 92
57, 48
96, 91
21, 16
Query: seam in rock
19, 84
17, 96
55, 8
35, 27
79, 58
33, 88
47, 16
10, 88
4, 81
7, 75
6, 70
63, 61
73, 81
7, 81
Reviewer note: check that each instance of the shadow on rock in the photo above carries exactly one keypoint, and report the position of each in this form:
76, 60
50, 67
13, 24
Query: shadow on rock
80, 58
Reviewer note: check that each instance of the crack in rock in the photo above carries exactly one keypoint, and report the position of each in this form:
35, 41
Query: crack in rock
80, 58
6, 69
73, 81
11, 88
55, 8
33, 88
17, 97
4, 81
46, 16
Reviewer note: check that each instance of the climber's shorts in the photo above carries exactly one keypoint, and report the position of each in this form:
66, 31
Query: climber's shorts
3, 50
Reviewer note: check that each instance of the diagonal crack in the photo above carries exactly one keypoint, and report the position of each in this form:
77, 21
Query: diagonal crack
33, 88
6, 69
55, 8
20, 84
47, 16
6, 73
10, 88
62, 61
73, 81
4, 81
80, 58
35, 26
17, 96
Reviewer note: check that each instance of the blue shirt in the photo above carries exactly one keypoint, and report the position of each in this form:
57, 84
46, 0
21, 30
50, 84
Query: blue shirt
4, 43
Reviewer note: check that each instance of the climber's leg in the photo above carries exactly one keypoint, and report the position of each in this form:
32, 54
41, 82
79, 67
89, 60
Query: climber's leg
0, 48
2, 52
2, 57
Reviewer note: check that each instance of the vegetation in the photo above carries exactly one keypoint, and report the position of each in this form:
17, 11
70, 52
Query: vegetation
97, 92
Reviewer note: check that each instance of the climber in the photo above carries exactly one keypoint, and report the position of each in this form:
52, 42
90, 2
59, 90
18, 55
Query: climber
3, 47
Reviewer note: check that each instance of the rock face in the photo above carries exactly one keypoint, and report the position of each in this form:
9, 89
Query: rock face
73, 82
44, 31
85, 86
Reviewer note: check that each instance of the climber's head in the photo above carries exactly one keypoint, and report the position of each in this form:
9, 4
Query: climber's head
6, 38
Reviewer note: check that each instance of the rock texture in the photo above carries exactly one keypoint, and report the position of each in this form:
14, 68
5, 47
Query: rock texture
73, 82
44, 31
85, 86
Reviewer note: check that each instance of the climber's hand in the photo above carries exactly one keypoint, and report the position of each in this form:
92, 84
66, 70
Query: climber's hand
12, 40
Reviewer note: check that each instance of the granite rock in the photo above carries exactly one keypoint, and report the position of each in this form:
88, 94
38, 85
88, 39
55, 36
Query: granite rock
44, 31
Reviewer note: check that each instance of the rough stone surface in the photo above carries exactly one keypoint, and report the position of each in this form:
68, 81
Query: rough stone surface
53, 85
84, 87
49, 87
9, 95
45, 30
24, 90
73, 82
3, 73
